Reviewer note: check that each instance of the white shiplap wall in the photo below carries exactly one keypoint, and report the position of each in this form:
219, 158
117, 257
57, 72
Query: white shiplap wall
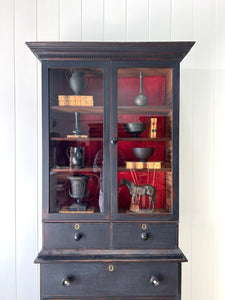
202, 125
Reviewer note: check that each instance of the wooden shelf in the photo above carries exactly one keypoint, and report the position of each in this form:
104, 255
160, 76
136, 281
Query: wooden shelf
100, 139
157, 211
60, 139
135, 72
125, 110
145, 110
70, 170
131, 139
120, 169
94, 110
124, 169
90, 210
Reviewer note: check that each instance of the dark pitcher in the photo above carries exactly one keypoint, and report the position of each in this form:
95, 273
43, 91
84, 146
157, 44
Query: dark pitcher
76, 157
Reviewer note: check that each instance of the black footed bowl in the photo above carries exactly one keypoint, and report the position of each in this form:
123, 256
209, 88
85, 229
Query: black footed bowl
134, 128
143, 154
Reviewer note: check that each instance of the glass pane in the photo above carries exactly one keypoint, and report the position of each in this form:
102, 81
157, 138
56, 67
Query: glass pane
76, 140
144, 140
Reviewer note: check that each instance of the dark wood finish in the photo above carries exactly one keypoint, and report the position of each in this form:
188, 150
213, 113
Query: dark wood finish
91, 255
123, 169
110, 50
74, 139
168, 190
78, 248
74, 171
97, 279
130, 236
146, 110
156, 110
93, 236
118, 298
135, 72
166, 139
81, 109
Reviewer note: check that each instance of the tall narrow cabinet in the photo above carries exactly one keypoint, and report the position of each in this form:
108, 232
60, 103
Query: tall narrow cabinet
110, 114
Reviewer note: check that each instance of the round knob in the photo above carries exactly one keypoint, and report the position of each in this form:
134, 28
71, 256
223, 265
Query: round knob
144, 236
154, 281
66, 282
114, 141
77, 236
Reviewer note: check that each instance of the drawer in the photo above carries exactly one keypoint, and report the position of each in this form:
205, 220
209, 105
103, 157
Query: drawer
113, 298
72, 236
144, 235
116, 279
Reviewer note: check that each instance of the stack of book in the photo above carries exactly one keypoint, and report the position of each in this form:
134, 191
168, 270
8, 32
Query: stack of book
153, 128
75, 136
146, 165
75, 100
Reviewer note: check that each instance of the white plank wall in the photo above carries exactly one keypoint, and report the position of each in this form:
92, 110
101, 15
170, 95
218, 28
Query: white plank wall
26, 151
92, 20
7, 174
70, 19
137, 20
202, 125
160, 20
115, 27
218, 220
182, 29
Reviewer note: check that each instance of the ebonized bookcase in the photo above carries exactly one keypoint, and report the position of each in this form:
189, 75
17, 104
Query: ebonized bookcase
110, 219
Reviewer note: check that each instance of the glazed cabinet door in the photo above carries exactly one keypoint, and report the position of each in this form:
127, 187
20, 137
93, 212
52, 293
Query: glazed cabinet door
75, 131
144, 133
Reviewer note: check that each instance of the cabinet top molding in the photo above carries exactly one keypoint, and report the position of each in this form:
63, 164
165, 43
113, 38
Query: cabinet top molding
110, 50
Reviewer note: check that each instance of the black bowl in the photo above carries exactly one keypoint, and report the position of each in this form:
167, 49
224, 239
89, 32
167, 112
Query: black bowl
143, 154
134, 128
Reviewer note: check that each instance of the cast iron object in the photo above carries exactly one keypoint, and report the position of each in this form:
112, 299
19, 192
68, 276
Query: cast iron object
77, 82
143, 154
137, 191
141, 99
79, 191
134, 128
77, 130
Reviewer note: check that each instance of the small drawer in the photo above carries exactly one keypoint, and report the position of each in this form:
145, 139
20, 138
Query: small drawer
76, 235
112, 279
144, 235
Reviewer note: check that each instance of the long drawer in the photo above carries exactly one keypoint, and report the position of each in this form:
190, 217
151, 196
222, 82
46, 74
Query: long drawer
144, 235
74, 235
114, 298
116, 279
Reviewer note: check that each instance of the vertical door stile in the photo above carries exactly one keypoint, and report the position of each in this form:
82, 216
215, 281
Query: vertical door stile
106, 141
175, 141
113, 137
45, 138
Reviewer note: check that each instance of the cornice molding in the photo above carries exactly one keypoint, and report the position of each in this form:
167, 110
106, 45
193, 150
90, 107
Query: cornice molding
110, 50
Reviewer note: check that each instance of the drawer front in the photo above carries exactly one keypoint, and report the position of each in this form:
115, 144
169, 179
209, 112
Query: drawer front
144, 235
115, 298
116, 279
74, 235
